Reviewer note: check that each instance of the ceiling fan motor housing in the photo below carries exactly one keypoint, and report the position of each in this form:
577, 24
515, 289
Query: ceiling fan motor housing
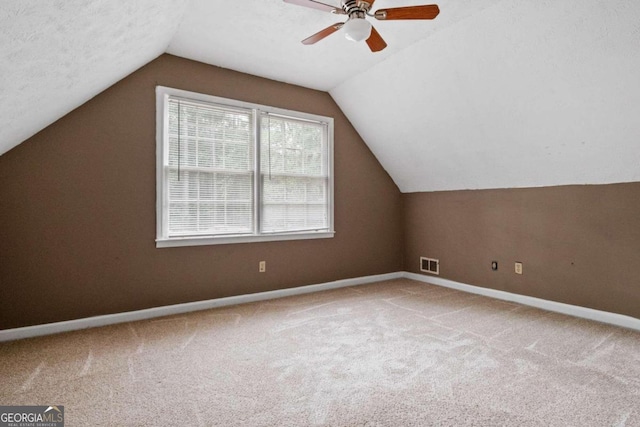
355, 9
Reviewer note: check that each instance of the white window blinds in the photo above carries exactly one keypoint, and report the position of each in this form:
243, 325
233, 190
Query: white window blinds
210, 169
230, 171
294, 175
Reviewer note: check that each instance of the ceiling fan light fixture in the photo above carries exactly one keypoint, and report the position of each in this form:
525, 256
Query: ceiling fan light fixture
357, 29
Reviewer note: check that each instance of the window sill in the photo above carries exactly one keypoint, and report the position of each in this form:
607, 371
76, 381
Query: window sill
226, 240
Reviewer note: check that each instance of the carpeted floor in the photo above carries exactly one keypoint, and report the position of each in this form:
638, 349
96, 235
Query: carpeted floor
396, 353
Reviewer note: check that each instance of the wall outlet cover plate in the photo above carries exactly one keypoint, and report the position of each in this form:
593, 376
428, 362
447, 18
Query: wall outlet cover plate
518, 268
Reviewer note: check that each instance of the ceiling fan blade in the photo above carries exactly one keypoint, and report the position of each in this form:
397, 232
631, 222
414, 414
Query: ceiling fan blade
316, 5
323, 33
428, 11
375, 41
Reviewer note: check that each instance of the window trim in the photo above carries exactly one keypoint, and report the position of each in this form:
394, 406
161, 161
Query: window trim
162, 128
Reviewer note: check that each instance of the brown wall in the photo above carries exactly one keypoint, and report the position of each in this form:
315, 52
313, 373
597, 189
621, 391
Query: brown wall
77, 210
77, 219
579, 244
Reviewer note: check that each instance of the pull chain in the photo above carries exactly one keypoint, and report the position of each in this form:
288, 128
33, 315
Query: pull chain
179, 145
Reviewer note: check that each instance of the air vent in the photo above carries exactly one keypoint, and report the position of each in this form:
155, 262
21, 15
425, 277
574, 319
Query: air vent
430, 265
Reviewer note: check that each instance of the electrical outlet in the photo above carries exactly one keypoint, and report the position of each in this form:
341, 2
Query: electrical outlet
518, 268
262, 266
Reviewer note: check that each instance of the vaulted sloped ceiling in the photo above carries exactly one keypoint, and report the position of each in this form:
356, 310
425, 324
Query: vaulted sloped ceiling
490, 94
524, 94
56, 55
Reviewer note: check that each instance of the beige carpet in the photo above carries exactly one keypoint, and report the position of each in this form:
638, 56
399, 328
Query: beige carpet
397, 353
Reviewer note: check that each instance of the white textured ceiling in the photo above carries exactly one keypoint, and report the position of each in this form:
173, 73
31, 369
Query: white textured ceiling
262, 37
523, 94
56, 55
490, 94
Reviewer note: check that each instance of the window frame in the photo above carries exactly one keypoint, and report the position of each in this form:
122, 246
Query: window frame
163, 94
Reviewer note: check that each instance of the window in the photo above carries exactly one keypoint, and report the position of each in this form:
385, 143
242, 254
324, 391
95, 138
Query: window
232, 172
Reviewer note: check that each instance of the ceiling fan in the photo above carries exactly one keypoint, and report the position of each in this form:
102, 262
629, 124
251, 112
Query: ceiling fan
357, 28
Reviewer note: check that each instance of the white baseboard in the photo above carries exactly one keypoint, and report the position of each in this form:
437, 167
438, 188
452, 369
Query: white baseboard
558, 307
130, 316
